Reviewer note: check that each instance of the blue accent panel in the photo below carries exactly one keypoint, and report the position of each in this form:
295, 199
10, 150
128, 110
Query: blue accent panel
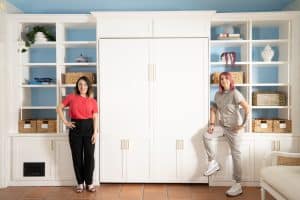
216, 52
216, 30
41, 114
265, 33
81, 35
43, 96
265, 88
42, 55
265, 113
77, 6
213, 91
256, 53
43, 72
265, 74
73, 53
81, 69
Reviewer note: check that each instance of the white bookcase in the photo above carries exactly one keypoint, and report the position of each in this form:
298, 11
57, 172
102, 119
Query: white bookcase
277, 29
75, 34
71, 37
167, 157
259, 75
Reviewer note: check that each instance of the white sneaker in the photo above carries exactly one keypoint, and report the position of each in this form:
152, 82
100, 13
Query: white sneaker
213, 166
235, 190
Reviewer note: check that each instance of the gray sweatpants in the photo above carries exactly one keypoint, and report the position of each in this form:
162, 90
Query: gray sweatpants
233, 140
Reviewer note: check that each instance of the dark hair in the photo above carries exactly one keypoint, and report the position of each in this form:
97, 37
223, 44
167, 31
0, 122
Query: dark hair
229, 77
89, 92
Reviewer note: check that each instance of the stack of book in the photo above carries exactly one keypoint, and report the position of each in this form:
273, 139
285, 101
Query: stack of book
229, 36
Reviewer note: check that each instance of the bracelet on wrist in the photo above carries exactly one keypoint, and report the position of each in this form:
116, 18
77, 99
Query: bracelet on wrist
212, 124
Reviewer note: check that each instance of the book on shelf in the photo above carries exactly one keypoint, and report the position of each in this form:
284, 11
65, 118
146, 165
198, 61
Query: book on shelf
229, 36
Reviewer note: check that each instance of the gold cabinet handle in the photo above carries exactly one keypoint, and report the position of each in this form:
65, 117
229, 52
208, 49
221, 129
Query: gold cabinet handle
273, 145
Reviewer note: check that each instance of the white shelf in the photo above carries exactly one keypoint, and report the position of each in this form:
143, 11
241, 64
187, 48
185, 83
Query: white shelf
269, 41
73, 85
44, 45
228, 43
39, 64
236, 63
37, 107
270, 63
268, 84
40, 86
270, 107
80, 44
80, 64
38, 134
238, 85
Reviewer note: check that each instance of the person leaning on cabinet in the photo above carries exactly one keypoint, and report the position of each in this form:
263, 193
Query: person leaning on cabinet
230, 124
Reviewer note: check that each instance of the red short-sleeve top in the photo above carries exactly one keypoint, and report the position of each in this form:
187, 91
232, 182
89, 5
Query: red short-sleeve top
80, 107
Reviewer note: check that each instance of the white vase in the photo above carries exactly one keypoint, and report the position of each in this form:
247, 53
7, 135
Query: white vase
40, 37
267, 54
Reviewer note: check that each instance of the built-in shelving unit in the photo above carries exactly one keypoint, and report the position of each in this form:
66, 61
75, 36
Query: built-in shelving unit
250, 36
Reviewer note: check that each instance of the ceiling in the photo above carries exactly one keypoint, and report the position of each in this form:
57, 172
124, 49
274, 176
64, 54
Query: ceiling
86, 6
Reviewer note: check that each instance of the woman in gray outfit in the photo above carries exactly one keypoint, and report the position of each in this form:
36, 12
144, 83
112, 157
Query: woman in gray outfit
230, 124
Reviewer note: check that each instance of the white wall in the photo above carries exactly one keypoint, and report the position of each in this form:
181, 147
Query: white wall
2, 103
295, 5
7, 8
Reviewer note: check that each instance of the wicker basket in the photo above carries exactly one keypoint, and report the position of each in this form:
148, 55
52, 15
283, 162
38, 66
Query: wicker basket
282, 126
268, 99
262, 125
72, 77
281, 160
238, 77
46, 126
27, 126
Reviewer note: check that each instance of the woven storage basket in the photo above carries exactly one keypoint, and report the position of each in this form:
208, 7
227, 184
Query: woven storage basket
282, 126
238, 77
72, 77
27, 126
262, 125
281, 160
268, 99
46, 126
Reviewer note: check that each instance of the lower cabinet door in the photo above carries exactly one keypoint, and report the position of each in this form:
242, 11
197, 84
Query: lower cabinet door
112, 158
137, 159
33, 158
163, 164
192, 160
64, 167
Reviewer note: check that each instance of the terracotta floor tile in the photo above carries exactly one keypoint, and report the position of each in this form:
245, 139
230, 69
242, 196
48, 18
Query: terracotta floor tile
130, 192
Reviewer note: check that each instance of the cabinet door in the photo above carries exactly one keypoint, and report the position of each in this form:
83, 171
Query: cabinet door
137, 159
64, 164
33, 150
223, 156
124, 102
180, 99
163, 167
124, 98
192, 160
112, 159
180, 86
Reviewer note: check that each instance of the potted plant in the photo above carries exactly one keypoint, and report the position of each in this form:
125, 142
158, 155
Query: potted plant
30, 37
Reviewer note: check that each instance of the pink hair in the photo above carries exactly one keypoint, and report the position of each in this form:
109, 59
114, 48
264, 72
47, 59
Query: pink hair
229, 77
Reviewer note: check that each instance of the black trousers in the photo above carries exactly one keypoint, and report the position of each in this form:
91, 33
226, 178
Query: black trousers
82, 150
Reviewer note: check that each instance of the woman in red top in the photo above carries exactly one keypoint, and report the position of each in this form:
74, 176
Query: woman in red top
83, 129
